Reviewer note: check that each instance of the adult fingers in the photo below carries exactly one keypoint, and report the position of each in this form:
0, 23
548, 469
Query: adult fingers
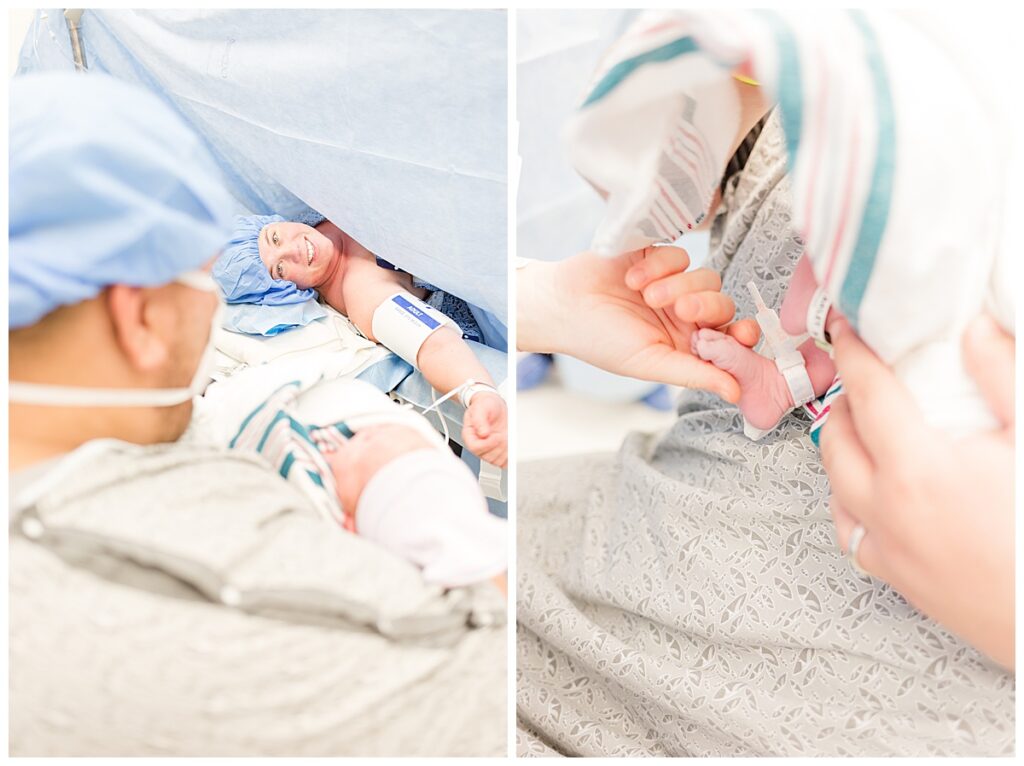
746, 331
656, 262
664, 364
849, 468
483, 423
886, 417
491, 449
469, 422
708, 308
469, 437
665, 291
476, 420
989, 357
845, 522
868, 552
497, 456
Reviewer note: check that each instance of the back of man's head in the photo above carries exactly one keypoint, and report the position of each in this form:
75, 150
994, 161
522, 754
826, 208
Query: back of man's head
112, 199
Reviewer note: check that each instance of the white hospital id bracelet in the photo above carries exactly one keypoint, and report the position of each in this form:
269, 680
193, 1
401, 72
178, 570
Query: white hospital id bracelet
817, 311
403, 323
797, 379
471, 387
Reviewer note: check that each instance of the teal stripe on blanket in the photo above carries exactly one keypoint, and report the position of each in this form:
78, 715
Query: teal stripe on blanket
297, 429
623, 69
256, 411
789, 85
344, 430
278, 417
876, 209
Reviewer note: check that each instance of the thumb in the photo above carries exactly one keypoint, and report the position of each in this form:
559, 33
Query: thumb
746, 331
989, 357
483, 423
476, 420
662, 364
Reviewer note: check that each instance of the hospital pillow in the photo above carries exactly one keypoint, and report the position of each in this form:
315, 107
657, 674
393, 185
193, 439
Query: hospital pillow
255, 319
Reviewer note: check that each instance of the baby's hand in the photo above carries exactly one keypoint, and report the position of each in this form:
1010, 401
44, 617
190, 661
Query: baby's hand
485, 428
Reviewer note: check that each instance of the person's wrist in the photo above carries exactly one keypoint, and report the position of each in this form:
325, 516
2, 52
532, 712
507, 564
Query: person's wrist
483, 395
477, 390
538, 308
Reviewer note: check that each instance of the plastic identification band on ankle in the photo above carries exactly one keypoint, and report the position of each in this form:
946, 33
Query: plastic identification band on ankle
403, 323
817, 311
783, 346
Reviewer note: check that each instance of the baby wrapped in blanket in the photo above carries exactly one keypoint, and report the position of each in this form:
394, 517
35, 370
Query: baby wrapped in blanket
897, 146
368, 465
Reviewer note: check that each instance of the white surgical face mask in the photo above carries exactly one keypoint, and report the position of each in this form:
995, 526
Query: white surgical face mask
72, 396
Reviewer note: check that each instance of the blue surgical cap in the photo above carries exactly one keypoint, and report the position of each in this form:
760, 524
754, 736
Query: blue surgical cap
107, 186
241, 274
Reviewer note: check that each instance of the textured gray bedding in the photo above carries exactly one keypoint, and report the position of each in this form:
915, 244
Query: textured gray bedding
180, 600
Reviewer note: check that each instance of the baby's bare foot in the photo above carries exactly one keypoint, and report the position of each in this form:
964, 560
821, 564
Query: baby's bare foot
765, 397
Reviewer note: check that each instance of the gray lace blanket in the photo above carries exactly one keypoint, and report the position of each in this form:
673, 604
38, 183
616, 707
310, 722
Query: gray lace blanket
183, 600
686, 596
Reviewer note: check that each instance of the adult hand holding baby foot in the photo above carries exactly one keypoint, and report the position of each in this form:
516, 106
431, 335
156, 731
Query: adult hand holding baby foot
937, 513
633, 315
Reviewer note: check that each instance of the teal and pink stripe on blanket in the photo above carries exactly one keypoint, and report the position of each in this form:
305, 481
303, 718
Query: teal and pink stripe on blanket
829, 74
819, 408
295, 449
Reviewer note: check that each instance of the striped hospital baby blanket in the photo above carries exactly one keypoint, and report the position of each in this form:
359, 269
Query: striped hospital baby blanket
897, 138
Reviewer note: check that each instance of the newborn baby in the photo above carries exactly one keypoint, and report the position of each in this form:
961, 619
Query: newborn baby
268, 254
380, 470
765, 393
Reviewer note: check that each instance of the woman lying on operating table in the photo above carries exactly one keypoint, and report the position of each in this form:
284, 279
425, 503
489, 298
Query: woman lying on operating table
427, 328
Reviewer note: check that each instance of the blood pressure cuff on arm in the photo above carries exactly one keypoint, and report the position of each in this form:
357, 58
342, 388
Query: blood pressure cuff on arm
403, 323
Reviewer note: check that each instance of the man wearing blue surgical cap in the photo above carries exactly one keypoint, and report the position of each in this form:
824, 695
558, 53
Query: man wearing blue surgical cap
116, 210
168, 596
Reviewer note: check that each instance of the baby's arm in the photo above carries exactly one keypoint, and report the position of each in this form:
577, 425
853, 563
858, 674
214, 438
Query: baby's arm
445, 360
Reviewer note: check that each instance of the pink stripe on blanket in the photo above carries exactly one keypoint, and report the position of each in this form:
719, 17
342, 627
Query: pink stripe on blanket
844, 209
683, 218
818, 146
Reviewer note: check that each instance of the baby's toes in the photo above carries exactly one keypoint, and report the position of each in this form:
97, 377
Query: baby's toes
707, 334
695, 343
704, 341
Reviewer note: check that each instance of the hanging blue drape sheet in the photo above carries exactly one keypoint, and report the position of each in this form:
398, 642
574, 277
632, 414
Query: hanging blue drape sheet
392, 124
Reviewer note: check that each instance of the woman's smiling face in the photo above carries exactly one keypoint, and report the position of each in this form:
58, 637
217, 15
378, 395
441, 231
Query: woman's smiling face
296, 252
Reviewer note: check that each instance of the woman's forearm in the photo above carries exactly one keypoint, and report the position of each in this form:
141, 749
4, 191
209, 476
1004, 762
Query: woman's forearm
537, 308
447, 361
